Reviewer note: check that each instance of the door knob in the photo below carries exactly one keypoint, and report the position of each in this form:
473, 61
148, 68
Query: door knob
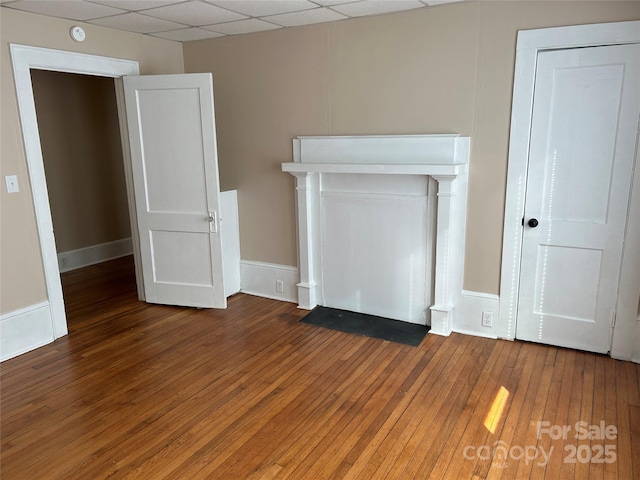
533, 223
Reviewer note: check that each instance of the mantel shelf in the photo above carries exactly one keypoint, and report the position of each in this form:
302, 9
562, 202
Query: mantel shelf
452, 169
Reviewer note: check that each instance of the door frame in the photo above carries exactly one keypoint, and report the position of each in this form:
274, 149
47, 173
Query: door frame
529, 44
24, 58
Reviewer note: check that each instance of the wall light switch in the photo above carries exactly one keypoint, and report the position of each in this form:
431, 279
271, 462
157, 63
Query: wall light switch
12, 183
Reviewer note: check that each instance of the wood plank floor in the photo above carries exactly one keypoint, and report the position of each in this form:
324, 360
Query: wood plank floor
151, 392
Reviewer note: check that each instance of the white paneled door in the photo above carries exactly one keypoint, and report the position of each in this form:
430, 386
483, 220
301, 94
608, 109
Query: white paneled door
582, 153
175, 175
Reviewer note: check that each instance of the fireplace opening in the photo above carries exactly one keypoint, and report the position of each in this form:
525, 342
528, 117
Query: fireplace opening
376, 245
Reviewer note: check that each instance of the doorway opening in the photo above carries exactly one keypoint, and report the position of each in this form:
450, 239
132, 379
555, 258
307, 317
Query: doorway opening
51, 322
82, 156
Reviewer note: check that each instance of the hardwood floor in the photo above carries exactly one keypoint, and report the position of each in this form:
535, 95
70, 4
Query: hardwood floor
150, 392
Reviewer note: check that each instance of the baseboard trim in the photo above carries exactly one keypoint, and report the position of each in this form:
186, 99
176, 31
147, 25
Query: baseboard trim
475, 333
83, 257
468, 315
24, 330
261, 279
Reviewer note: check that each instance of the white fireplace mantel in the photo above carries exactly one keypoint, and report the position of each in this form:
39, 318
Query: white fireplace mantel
441, 157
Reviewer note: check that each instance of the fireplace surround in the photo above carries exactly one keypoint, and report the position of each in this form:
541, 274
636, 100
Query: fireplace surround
427, 171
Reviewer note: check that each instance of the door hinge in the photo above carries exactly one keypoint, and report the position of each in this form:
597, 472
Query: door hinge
213, 222
613, 318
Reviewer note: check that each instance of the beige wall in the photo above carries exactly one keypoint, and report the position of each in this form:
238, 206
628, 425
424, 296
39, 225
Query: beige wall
21, 274
446, 69
81, 148
267, 90
436, 70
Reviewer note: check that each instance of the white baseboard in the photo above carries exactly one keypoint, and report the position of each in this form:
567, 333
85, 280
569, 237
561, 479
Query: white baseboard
259, 278
83, 257
468, 315
24, 330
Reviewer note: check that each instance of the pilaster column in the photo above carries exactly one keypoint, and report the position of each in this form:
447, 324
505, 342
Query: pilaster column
306, 186
445, 276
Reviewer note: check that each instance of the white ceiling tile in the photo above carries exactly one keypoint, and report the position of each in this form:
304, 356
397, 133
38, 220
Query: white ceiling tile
187, 34
136, 5
376, 7
135, 22
194, 13
169, 18
307, 17
70, 9
242, 26
440, 2
260, 8
328, 3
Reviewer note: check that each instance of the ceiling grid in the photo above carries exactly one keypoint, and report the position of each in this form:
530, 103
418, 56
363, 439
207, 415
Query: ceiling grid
187, 20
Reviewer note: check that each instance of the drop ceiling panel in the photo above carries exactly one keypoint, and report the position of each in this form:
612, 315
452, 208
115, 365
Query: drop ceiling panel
136, 5
438, 2
259, 8
134, 22
318, 15
328, 3
242, 26
171, 18
70, 9
187, 34
361, 9
194, 13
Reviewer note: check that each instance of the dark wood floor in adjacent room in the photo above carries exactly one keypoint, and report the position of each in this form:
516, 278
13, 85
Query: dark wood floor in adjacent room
152, 392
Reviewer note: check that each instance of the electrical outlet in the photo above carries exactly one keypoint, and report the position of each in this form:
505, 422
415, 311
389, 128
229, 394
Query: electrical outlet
487, 319
279, 286
12, 183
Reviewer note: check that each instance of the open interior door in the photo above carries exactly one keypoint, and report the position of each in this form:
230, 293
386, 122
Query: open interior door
174, 163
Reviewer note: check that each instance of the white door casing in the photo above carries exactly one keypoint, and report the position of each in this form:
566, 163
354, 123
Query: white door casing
530, 45
175, 175
24, 58
583, 135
